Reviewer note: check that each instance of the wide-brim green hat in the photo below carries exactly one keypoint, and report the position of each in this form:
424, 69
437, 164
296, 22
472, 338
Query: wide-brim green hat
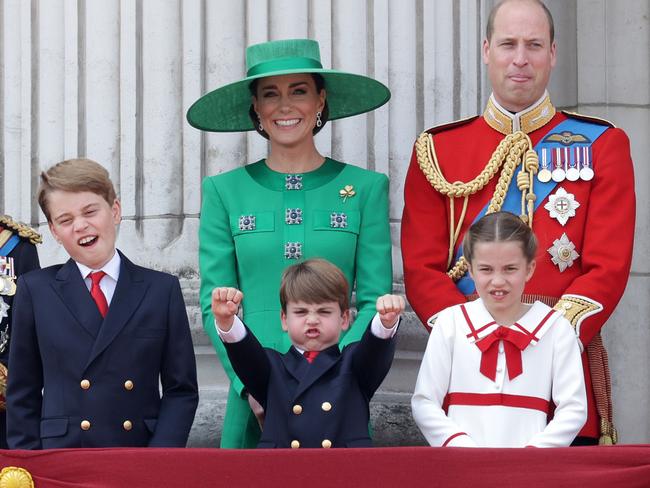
226, 109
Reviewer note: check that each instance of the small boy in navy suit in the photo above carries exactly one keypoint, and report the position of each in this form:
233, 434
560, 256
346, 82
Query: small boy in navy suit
314, 395
93, 338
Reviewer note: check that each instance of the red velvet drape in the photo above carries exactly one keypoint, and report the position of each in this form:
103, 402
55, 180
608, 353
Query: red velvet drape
581, 467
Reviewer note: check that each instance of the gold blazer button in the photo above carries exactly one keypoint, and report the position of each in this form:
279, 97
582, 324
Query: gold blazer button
127, 425
297, 409
295, 444
85, 425
326, 406
85, 384
326, 443
128, 385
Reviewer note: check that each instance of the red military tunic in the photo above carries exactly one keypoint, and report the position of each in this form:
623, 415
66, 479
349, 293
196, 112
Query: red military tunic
602, 229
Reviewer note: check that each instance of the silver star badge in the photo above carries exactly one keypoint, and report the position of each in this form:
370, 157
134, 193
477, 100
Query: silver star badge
4, 308
563, 252
562, 206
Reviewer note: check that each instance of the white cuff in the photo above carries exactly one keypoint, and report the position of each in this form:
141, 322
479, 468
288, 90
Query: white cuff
378, 329
236, 333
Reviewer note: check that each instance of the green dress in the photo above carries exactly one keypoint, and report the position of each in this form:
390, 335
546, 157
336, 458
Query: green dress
255, 222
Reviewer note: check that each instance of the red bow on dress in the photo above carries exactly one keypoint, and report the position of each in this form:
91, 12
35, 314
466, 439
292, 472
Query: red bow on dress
513, 342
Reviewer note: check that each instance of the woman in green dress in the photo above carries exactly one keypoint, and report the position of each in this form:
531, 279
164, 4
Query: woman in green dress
293, 205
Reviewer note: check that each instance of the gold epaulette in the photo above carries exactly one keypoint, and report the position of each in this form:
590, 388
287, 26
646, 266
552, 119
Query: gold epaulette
449, 125
588, 118
576, 308
23, 230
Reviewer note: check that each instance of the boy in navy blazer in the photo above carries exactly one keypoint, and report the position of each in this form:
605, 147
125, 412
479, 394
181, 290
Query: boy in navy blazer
314, 395
94, 337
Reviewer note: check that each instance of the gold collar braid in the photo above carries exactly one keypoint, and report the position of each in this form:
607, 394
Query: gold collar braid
529, 120
513, 150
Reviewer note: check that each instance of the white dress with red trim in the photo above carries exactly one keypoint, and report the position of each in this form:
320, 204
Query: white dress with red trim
499, 384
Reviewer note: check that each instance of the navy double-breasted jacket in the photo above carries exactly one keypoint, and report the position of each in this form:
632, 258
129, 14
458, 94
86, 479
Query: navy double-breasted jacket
322, 404
78, 380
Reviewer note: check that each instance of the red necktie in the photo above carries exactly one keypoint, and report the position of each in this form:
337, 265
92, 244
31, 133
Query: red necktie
513, 343
310, 356
97, 293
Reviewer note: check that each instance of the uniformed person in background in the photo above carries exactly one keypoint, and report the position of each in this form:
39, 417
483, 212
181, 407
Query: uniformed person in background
17, 256
570, 177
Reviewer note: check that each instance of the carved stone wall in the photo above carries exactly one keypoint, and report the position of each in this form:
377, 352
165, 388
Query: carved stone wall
112, 80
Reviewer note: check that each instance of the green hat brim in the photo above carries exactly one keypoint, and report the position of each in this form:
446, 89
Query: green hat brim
226, 108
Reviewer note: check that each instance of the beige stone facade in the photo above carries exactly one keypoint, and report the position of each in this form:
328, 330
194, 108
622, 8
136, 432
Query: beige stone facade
112, 80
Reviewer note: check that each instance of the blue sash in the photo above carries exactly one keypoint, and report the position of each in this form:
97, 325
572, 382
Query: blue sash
512, 202
9, 245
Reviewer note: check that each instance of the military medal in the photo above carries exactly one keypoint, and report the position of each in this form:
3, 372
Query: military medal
4, 334
7, 276
4, 308
558, 173
584, 162
7, 266
7, 286
572, 172
562, 206
4, 339
563, 253
544, 174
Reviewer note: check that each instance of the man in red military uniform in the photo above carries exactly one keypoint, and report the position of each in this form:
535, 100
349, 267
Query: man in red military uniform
570, 177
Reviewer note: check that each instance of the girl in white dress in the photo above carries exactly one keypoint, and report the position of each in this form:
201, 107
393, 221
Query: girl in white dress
496, 369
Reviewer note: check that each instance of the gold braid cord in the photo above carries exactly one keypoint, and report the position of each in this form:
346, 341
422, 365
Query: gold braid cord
3, 388
513, 150
23, 230
575, 309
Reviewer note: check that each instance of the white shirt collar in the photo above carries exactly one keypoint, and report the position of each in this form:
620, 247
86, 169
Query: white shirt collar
112, 268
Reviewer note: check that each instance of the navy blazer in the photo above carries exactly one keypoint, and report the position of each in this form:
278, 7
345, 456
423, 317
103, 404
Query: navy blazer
322, 404
78, 380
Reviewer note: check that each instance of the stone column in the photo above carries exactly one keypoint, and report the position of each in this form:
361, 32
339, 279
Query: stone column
614, 83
